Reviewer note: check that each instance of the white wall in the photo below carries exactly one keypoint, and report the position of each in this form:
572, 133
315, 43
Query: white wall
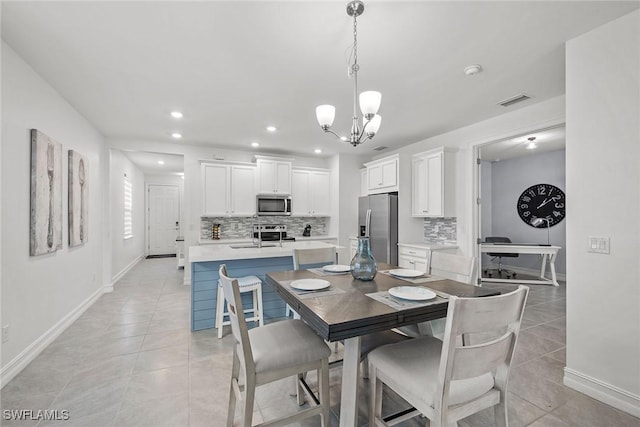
603, 199
125, 252
40, 292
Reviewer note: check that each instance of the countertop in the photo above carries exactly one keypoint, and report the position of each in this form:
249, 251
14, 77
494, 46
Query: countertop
247, 240
433, 246
223, 252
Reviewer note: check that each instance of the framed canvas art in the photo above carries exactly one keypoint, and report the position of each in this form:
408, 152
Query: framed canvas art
78, 198
46, 194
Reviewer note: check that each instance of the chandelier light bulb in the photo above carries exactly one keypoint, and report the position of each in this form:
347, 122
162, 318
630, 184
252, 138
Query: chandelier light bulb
370, 103
373, 125
325, 115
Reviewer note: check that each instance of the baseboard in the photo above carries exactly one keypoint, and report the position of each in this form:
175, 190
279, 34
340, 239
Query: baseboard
606, 393
13, 368
125, 270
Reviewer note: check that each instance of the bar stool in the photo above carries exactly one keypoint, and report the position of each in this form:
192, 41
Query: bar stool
246, 284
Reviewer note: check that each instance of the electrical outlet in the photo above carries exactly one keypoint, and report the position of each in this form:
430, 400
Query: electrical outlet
5, 333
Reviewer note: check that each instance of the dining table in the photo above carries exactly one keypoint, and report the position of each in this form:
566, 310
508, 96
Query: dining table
346, 309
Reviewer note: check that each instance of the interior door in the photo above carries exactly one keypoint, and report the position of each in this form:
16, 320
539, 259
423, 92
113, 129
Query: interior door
164, 218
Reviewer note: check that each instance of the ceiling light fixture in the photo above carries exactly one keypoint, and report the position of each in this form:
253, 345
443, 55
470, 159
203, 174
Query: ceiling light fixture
176, 114
272, 128
176, 135
369, 100
161, 162
531, 145
317, 151
255, 144
472, 70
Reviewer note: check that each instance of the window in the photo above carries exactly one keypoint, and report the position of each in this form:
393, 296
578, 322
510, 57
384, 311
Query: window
128, 208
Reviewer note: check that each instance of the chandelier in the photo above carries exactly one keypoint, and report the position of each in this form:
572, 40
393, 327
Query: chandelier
369, 100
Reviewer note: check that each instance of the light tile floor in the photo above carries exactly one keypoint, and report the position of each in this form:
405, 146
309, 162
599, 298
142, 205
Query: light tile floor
130, 360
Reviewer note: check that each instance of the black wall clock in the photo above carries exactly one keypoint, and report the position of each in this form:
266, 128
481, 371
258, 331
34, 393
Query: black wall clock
542, 201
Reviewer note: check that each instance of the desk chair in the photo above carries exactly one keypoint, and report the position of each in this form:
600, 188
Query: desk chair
448, 266
288, 348
491, 271
447, 381
251, 284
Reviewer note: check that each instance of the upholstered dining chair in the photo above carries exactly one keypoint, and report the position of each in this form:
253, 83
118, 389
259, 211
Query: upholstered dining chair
448, 266
313, 258
445, 380
287, 348
310, 258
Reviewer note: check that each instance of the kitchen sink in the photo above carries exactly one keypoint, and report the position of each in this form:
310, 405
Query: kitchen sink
251, 245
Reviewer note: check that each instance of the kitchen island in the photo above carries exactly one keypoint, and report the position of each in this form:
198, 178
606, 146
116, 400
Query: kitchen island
241, 261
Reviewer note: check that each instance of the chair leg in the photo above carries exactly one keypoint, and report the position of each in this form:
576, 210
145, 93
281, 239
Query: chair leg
500, 414
323, 380
375, 408
220, 311
299, 390
231, 412
259, 307
249, 396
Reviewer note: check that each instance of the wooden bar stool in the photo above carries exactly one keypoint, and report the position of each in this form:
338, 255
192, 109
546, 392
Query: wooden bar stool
246, 284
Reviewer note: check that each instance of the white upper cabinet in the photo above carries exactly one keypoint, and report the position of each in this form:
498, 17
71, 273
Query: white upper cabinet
382, 175
228, 189
433, 183
274, 176
310, 192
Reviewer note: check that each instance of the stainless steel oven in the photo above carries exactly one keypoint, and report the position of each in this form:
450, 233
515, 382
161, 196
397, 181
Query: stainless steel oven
271, 204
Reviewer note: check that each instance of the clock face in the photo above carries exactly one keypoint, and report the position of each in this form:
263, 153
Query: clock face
542, 201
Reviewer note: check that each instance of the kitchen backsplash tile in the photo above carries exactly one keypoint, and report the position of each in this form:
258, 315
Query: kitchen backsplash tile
241, 227
441, 230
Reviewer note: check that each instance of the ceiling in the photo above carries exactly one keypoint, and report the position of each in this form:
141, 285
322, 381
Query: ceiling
545, 140
235, 67
148, 163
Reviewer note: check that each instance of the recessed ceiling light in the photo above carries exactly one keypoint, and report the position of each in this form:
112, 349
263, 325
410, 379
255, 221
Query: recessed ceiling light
472, 70
272, 128
255, 144
176, 135
317, 151
161, 162
176, 114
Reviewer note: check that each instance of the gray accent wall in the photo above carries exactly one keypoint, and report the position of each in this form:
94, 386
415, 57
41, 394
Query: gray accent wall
509, 178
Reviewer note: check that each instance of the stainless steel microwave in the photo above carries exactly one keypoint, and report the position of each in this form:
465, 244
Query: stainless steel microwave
272, 204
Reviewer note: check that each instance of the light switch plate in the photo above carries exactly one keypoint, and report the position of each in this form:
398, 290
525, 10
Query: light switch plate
599, 245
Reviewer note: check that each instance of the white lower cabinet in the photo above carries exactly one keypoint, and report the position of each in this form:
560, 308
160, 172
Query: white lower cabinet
418, 256
413, 258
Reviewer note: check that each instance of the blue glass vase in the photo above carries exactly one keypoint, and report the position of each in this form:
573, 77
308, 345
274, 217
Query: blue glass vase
363, 265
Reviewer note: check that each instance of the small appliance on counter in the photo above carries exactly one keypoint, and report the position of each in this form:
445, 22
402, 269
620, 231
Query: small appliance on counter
215, 231
307, 231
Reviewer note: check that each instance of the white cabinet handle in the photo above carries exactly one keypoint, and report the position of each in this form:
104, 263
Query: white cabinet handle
412, 252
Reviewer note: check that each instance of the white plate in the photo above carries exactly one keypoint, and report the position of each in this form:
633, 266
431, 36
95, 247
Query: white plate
337, 268
401, 272
414, 293
310, 284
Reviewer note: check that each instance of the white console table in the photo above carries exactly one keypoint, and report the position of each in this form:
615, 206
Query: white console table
546, 252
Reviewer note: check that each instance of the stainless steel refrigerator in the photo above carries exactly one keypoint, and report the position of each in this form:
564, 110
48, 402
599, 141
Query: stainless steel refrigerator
378, 218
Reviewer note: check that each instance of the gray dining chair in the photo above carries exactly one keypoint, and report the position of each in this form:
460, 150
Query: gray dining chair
447, 266
445, 380
288, 348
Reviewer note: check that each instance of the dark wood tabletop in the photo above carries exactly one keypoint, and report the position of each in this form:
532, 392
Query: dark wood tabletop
352, 313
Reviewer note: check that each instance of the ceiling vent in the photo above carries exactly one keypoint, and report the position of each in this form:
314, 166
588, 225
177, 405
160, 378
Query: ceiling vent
380, 148
513, 100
